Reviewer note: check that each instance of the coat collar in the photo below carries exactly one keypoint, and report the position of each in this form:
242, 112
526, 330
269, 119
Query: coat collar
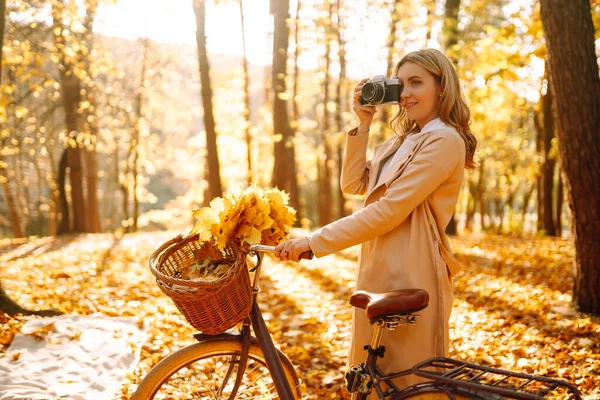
390, 147
387, 151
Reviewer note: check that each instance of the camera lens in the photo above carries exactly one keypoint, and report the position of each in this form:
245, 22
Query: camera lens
372, 92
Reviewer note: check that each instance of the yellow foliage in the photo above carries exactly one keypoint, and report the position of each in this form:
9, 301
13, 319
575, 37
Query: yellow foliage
246, 217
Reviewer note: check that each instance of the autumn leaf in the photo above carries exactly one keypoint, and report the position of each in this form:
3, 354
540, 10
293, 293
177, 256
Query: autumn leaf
207, 217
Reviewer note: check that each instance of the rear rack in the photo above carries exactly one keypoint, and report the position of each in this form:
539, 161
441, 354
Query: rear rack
479, 378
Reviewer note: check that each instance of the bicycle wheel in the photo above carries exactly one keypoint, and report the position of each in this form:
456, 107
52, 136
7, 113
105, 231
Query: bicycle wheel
207, 370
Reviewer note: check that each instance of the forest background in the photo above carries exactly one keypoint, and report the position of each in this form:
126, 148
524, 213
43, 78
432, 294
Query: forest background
147, 128
123, 116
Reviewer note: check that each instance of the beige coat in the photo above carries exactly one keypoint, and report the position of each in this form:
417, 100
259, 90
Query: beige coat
401, 229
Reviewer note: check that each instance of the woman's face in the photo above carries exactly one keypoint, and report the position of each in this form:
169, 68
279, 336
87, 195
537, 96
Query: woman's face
420, 95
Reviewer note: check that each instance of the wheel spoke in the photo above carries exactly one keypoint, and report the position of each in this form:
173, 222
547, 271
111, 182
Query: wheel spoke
259, 382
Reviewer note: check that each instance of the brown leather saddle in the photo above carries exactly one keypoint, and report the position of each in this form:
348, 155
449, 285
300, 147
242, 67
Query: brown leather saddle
396, 302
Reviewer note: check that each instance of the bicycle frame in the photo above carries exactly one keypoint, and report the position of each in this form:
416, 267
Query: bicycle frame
270, 352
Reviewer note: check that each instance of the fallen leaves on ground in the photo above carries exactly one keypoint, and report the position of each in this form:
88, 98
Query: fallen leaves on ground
511, 309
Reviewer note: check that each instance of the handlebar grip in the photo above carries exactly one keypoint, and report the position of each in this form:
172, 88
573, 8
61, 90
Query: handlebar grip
307, 255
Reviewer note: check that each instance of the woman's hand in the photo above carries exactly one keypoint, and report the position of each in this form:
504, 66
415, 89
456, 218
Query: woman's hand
291, 249
363, 112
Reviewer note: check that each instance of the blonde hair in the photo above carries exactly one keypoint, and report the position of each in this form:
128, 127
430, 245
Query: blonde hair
452, 107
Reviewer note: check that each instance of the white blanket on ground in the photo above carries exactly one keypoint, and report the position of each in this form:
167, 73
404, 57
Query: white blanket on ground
80, 357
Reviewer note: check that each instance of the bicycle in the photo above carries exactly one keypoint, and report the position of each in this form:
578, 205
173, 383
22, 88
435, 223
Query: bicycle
245, 366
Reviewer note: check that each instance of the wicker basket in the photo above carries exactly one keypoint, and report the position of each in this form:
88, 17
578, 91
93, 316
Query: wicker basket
213, 306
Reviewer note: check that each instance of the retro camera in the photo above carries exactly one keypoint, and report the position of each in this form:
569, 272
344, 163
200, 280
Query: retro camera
381, 90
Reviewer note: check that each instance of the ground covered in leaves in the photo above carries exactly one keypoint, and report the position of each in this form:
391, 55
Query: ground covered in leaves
511, 309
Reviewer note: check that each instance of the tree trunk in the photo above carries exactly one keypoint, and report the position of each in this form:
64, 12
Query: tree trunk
559, 203
39, 217
549, 162
498, 207
576, 83
284, 165
90, 155
125, 223
13, 212
65, 216
539, 148
326, 190
135, 140
20, 197
70, 86
247, 116
294, 188
481, 196
206, 197
509, 203
90, 158
281, 128
471, 206
451, 34
450, 29
340, 100
76, 180
52, 212
391, 45
22, 184
124, 187
110, 207
214, 171
526, 199
52, 183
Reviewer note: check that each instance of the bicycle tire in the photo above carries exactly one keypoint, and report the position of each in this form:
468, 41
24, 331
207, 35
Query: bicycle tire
199, 358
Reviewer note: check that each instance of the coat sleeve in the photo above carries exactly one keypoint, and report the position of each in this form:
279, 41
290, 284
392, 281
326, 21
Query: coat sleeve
432, 166
355, 167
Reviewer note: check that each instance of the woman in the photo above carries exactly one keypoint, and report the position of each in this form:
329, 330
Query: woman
411, 184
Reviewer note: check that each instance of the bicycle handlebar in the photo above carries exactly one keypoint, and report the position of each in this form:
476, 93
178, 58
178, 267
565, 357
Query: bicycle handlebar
307, 255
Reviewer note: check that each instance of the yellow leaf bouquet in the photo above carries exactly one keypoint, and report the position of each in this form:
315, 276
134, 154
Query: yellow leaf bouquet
241, 218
